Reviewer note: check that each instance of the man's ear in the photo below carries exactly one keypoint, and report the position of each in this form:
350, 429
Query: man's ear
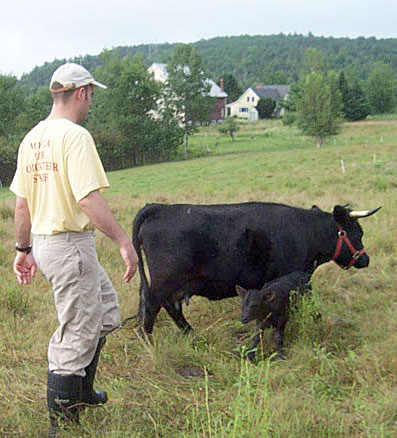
81, 93
241, 291
340, 214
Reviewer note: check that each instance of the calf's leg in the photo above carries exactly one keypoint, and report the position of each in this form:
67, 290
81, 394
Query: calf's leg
278, 336
255, 341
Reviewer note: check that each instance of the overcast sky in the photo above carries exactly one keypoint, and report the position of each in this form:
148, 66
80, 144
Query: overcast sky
35, 31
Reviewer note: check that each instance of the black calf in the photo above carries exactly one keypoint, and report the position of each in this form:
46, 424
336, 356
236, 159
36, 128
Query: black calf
269, 306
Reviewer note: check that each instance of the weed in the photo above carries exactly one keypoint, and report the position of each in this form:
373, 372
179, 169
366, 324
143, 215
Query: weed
14, 299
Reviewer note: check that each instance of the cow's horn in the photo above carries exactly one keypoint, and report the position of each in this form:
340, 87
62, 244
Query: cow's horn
365, 213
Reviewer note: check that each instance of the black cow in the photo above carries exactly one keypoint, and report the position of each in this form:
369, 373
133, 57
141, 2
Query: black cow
269, 306
207, 250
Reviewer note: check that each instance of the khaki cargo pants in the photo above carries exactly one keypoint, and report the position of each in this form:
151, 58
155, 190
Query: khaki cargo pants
85, 300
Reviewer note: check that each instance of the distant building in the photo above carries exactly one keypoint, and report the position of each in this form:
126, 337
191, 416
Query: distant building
245, 106
159, 71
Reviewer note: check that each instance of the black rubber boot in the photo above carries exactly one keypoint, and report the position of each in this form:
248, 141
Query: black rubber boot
89, 395
63, 398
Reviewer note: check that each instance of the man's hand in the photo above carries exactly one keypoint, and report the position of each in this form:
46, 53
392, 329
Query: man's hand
130, 259
96, 208
24, 267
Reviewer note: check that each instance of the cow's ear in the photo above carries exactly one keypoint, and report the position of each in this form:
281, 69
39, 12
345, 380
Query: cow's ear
270, 297
241, 291
340, 214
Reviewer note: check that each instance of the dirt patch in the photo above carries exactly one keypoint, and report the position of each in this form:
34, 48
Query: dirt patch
190, 371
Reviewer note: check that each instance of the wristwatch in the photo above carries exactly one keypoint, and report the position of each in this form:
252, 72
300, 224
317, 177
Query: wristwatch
27, 249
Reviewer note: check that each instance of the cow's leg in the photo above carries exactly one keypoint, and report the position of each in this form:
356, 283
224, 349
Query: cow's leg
255, 341
175, 312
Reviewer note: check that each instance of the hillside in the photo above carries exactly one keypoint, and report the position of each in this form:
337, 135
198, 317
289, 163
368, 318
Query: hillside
253, 59
340, 379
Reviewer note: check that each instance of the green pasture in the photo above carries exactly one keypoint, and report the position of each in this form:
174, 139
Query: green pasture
340, 379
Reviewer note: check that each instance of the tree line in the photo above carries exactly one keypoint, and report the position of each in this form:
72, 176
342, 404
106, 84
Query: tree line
138, 120
266, 59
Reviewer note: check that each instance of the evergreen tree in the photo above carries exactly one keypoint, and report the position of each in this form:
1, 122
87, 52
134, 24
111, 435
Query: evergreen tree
381, 88
358, 108
232, 88
266, 108
354, 102
294, 95
344, 91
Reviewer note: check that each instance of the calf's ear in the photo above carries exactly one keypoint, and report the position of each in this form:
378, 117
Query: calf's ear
270, 297
241, 291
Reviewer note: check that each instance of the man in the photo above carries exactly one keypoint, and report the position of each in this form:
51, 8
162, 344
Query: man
57, 185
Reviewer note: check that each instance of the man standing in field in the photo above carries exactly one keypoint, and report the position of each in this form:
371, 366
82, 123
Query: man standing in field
57, 185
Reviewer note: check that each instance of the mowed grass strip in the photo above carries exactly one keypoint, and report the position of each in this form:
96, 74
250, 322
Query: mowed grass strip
340, 379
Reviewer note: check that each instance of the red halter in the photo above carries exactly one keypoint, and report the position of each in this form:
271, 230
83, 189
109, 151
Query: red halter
342, 237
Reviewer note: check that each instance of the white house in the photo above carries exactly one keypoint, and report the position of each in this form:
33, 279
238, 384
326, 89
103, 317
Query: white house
159, 71
245, 106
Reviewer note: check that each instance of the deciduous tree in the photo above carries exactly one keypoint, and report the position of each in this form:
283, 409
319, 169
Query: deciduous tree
125, 123
319, 106
187, 90
229, 127
11, 104
36, 107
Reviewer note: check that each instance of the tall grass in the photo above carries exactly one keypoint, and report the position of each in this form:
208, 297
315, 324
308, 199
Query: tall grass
340, 379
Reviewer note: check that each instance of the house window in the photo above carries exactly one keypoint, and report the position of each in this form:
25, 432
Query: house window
243, 110
248, 98
253, 99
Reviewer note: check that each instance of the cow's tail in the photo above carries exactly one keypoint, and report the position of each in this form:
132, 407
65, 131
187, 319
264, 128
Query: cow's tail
137, 242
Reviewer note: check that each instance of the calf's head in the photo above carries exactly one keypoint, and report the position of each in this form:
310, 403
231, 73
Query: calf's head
256, 303
349, 249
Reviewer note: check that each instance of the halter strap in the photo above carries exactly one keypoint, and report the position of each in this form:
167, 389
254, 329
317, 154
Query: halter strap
342, 238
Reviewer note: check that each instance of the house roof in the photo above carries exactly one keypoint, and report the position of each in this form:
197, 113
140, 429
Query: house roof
275, 92
215, 90
160, 73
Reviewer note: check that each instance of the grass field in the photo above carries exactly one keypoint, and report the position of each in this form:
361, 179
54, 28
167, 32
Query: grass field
341, 376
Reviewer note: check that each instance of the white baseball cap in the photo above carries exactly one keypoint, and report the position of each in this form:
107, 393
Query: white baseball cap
72, 76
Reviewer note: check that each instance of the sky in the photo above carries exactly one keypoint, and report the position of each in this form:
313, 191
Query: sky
33, 32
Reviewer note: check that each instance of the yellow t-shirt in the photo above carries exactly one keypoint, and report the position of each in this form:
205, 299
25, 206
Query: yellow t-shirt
58, 165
